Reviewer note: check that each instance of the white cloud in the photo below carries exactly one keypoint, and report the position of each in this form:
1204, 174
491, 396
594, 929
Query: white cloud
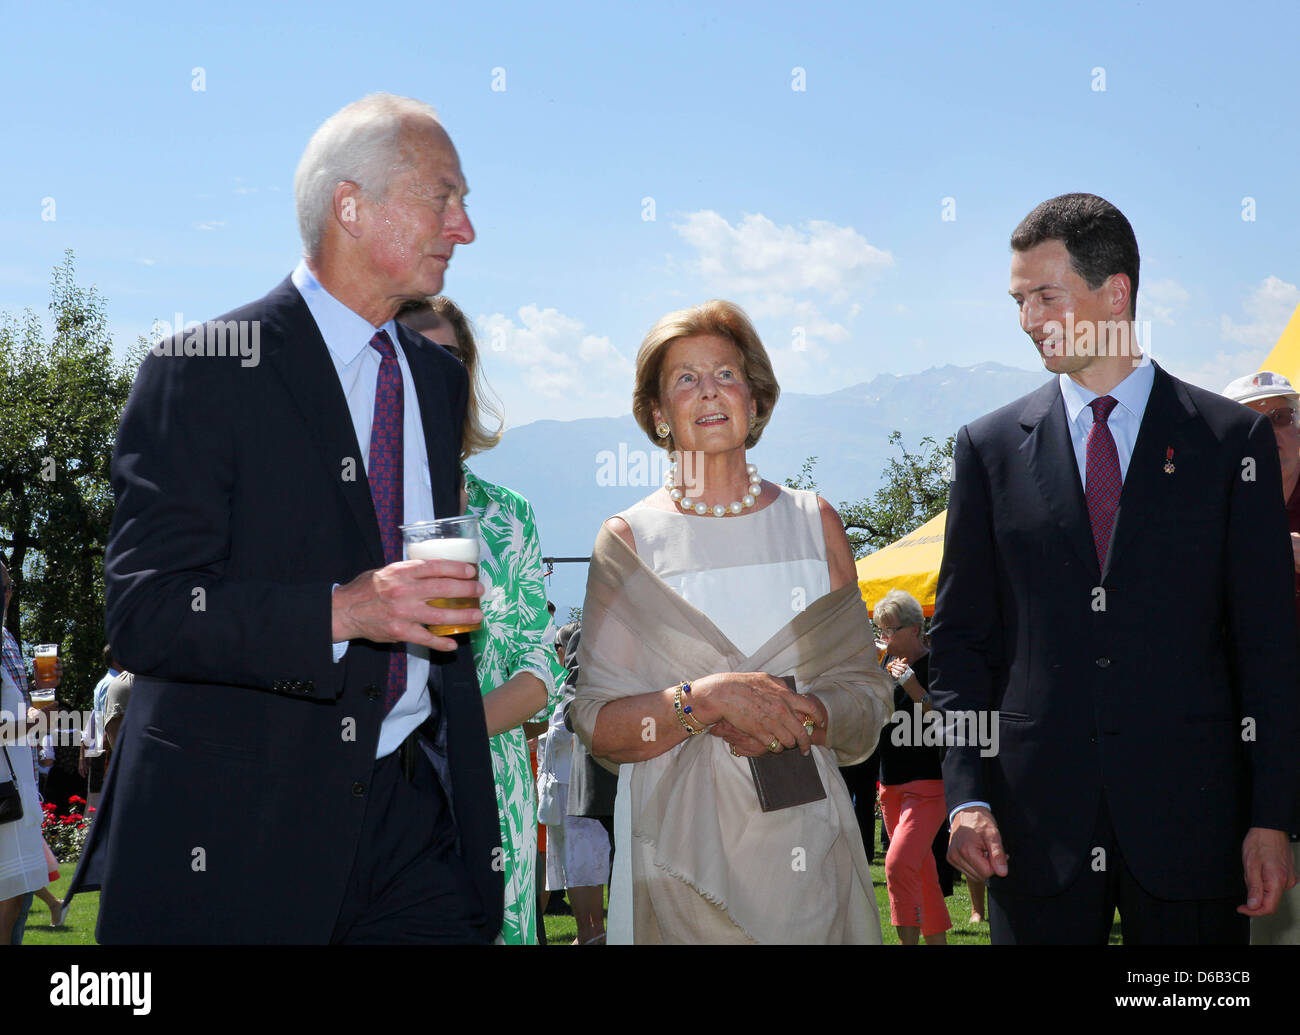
785, 273
1159, 302
210, 224
553, 357
1214, 374
1268, 307
758, 257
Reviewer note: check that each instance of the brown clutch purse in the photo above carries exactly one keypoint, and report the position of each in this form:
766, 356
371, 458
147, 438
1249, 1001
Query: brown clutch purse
787, 778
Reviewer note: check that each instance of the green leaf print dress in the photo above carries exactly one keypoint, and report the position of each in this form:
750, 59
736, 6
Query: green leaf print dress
516, 636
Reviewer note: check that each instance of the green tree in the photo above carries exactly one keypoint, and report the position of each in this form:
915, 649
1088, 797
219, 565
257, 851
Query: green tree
804, 480
60, 400
914, 489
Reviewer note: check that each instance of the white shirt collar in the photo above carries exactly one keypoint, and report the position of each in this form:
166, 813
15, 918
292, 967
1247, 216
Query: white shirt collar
1131, 393
345, 332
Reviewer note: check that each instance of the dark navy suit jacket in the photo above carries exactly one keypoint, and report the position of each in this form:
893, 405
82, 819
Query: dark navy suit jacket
1168, 681
234, 804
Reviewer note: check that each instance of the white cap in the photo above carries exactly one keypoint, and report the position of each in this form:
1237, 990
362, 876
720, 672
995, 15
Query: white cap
1264, 385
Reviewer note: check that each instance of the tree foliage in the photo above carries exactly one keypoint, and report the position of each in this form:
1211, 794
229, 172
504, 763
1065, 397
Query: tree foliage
914, 489
60, 399
804, 480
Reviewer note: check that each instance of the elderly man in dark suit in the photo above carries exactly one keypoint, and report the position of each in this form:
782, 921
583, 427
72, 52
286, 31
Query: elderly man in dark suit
302, 760
1115, 588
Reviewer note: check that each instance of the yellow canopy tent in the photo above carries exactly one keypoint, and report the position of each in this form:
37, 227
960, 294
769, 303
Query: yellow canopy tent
1285, 357
911, 563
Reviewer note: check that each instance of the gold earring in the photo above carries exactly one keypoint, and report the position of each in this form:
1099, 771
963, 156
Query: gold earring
662, 429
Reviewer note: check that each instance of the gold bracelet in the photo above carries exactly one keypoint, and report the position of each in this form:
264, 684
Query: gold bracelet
689, 722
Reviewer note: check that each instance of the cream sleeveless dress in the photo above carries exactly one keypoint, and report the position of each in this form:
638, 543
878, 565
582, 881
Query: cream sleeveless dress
751, 574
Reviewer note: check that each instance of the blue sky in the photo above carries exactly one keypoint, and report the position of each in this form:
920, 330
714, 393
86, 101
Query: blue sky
820, 209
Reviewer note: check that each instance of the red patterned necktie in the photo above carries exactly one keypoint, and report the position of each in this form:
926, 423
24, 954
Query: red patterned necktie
1103, 477
386, 472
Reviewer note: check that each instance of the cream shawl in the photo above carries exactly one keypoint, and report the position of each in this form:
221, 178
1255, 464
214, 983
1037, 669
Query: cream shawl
707, 864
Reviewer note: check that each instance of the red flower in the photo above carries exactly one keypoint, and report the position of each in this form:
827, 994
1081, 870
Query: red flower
48, 807
77, 801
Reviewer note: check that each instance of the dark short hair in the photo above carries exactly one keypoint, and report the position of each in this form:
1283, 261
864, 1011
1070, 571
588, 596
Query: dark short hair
1099, 239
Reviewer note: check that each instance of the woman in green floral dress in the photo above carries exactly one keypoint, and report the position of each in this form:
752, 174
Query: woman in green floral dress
518, 669
516, 639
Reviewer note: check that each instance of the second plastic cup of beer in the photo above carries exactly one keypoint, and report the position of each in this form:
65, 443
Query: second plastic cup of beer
47, 655
445, 539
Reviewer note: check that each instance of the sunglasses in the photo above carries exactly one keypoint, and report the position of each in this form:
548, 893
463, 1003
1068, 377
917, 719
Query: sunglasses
1283, 417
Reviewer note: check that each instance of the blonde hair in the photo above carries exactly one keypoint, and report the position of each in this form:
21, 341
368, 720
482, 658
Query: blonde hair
476, 436
724, 320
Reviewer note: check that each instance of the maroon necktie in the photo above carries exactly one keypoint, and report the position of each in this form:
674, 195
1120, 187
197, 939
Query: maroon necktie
385, 473
1103, 477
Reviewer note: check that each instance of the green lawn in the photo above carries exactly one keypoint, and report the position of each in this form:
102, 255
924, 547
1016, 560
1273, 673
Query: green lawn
79, 925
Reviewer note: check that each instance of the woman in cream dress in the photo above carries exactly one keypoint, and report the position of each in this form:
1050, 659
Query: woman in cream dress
715, 588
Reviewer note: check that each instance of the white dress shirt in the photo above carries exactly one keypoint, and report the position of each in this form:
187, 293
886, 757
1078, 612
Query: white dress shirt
1131, 394
347, 336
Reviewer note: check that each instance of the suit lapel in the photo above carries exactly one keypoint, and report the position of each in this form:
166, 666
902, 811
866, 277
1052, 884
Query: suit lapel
1049, 454
435, 416
1168, 407
299, 355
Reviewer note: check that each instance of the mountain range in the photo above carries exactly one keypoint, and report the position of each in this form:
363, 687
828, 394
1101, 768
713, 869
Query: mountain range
577, 473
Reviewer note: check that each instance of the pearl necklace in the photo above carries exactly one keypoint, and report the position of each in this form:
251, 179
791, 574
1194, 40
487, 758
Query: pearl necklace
717, 510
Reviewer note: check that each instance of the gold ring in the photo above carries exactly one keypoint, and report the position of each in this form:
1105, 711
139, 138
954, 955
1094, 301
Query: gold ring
732, 749
809, 723
774, 745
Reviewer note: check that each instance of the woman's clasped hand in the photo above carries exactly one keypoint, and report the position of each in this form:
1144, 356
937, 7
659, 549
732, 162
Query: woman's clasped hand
757, 713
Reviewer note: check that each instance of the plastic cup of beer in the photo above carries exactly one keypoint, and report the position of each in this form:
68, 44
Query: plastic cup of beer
445, 539
47, 656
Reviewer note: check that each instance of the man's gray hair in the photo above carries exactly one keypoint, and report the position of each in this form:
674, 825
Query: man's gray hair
901, 607
361, 144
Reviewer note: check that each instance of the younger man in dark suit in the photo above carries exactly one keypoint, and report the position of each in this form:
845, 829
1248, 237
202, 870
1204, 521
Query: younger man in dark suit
1115, 588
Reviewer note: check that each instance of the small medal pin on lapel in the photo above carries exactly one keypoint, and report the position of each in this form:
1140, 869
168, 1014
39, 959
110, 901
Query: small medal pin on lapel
1169, 460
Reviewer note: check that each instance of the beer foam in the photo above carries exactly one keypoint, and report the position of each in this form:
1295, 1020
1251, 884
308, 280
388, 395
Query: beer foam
465, 550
